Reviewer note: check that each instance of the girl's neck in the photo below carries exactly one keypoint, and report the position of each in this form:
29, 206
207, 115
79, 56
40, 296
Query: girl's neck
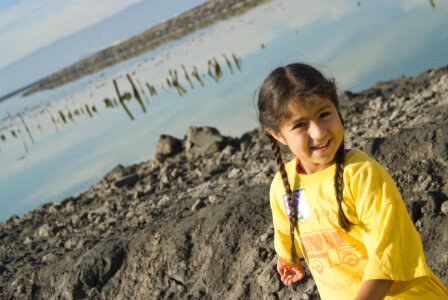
301, 170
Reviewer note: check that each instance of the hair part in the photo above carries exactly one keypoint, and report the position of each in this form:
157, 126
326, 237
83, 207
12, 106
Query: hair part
304, 85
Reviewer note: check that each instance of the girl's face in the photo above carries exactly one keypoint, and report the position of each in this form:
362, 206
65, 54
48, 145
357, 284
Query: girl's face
313, 133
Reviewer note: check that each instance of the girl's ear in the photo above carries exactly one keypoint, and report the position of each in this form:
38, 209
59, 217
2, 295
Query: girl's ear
278, 136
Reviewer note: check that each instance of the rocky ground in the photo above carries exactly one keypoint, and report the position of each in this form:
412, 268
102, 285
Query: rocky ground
194, 222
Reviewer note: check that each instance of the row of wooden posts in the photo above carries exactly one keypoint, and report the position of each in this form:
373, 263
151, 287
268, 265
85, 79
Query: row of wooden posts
214, 71
61, 118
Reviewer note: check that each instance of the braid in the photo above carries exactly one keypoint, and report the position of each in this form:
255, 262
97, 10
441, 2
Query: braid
293, 213
339, 157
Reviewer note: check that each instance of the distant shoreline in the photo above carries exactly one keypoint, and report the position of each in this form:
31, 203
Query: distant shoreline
180, 26
18, 91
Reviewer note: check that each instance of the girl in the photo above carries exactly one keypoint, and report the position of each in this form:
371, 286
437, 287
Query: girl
338, 208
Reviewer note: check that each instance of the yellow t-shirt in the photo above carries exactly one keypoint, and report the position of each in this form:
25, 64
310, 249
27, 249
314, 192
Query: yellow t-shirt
383, 245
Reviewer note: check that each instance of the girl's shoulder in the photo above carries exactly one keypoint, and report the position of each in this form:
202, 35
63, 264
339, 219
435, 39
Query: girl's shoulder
362, 168
358, 160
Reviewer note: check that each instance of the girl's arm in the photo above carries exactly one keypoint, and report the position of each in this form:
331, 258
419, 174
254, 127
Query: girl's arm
375, 289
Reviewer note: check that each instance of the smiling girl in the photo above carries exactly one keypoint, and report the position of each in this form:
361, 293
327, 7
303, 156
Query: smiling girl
338, 208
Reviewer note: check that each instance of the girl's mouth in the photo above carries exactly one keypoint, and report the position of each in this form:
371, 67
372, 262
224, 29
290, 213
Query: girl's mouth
321, 148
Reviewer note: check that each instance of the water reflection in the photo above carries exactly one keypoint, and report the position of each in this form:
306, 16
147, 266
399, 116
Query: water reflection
214, 71
66, 116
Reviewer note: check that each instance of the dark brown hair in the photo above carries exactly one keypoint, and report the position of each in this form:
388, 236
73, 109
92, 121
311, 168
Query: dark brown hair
304, 84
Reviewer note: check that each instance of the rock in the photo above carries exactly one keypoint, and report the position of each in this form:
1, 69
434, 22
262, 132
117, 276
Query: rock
168, 146
28, 240
71, 243
165, 200
310, 287
115, 173
213, 199
305, 296
233, 173
128, 181
138, 195
206, 140
45, 231
226, 153
49, 257
198, 205
263, 237
444, 207
69, 207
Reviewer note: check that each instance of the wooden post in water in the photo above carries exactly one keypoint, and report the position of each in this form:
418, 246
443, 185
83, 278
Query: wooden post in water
209, 70
18, 131
178, 84
143, 92
237, 61
196, 75
82, 110
23, 140
69, 114
187, 77
152, 89
52, 120
168, 82
26, 127
218, 72
136, 93
61, 114
149, 89
228, 64
39, 126
108, 103
175, 82
121, 101
88, 110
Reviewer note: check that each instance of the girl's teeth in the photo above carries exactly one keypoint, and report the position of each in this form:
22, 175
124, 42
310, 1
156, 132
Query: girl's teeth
319, 147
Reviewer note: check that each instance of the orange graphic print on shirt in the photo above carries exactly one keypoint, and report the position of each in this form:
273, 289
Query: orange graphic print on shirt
327, 248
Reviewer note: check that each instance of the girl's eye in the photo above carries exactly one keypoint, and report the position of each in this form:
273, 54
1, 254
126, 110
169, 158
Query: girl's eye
299, 125
324, 114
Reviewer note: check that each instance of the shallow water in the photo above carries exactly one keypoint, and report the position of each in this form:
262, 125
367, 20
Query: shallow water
356, 45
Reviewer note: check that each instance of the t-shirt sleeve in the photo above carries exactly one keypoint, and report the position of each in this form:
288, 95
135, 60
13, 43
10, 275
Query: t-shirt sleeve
393, 245
282, 239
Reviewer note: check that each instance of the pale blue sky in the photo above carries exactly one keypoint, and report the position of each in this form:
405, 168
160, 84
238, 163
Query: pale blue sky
28, 25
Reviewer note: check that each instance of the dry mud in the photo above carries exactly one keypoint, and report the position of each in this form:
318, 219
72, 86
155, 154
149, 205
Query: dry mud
194, 222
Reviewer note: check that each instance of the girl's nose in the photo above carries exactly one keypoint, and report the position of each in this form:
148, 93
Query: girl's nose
316, 131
